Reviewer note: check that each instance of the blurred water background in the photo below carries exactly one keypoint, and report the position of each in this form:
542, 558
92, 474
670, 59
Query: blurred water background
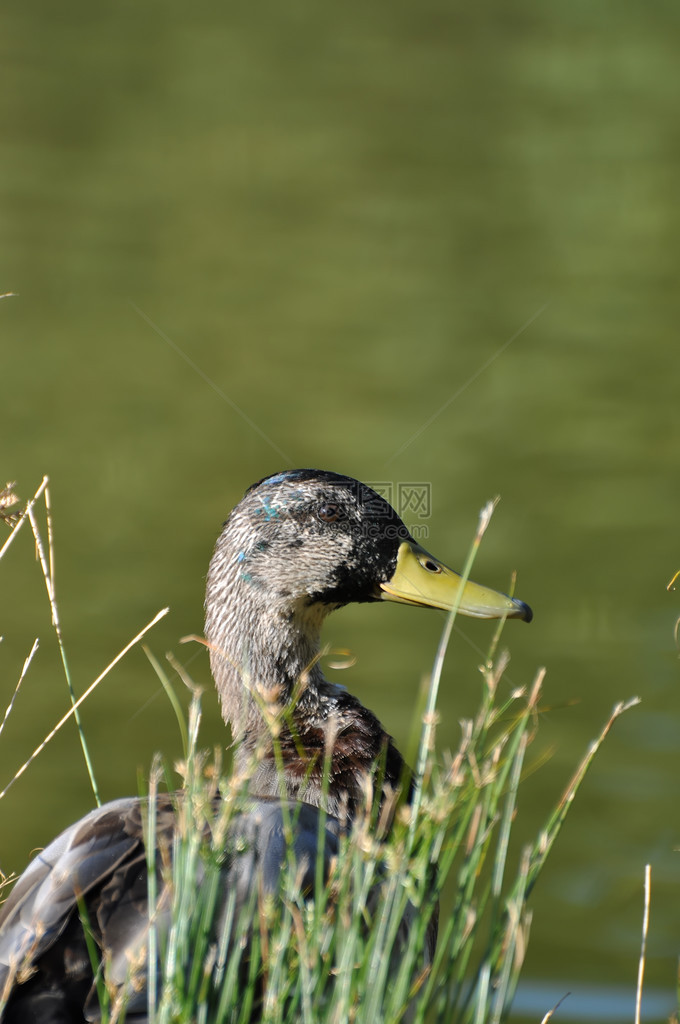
430, 244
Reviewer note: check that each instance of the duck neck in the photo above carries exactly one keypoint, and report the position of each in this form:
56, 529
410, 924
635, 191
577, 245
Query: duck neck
264, 660
290, 724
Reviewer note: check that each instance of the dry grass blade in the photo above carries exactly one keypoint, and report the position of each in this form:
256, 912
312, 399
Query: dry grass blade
578, 777
557, 1005
48, 576
47, 561
643, 948
80, 700
24, 670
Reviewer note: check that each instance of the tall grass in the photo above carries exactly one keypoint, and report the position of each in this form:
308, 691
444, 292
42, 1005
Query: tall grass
356, 951
345, 939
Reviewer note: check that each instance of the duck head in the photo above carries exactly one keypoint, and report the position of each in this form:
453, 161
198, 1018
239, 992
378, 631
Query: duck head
297, 546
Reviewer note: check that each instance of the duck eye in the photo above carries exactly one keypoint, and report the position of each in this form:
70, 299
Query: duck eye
329, 512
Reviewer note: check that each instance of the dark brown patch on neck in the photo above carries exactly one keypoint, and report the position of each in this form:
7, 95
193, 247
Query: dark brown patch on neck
361, 750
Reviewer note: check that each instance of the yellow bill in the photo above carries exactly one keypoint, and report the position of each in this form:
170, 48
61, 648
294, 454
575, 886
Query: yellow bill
421, 579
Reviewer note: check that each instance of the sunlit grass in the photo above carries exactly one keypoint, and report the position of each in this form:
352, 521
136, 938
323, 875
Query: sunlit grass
356, 951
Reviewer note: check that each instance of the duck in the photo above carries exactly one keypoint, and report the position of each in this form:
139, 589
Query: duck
299, 545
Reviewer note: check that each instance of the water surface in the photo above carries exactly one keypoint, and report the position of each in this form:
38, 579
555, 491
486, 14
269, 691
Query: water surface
437, 246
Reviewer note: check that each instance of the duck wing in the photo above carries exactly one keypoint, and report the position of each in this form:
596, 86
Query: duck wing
98, 869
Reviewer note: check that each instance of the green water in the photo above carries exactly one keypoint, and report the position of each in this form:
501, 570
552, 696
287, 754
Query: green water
431, 243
